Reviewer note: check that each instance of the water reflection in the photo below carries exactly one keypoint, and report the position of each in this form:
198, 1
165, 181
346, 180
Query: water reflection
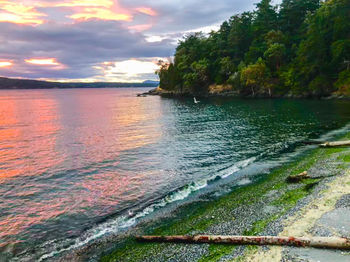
8, 134
60, 159
70, 159
27, 136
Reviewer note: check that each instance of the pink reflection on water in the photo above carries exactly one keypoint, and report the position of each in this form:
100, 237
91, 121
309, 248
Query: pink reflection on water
27, 148
62, 154
27, 136
26, 216
107, 189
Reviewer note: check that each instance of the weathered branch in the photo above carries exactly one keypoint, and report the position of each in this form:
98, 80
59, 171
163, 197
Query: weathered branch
317, 242
336, 144
298, 178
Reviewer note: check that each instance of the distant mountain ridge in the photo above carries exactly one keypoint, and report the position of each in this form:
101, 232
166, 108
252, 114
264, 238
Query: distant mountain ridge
151, 82
12, 83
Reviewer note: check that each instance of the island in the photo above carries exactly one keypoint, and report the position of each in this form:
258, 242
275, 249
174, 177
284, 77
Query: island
299, 49
12, 83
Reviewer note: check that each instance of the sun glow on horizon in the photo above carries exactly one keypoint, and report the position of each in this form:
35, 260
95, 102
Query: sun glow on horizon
127, 70
5, 63
43, 61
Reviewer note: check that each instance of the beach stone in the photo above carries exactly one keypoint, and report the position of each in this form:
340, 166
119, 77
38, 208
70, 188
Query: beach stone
337, 220
317, 255
344, 201
270, 209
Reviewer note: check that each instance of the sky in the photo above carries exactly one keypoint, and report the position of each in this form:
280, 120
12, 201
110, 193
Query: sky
101, 40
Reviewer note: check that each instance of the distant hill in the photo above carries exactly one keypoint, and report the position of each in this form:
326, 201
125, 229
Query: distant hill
10, 83
151, 82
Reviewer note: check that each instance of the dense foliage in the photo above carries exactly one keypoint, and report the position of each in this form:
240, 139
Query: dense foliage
300, 48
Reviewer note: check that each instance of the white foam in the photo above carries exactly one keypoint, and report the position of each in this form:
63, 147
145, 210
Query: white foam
333, 133
115, 225
244, 181
236, 167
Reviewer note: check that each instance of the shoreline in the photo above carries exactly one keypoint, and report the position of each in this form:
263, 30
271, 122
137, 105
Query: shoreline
259, 208
169, 94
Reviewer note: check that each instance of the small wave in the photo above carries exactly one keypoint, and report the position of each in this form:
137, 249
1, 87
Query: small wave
244, 181
238, 166
116, 225
335, 133
122, 222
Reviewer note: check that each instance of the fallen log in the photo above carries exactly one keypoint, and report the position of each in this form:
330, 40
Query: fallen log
316, 242
336, 144
298, 178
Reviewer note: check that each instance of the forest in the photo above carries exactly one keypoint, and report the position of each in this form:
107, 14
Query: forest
300, 48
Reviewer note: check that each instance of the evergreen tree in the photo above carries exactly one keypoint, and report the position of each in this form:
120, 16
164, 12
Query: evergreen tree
302, 48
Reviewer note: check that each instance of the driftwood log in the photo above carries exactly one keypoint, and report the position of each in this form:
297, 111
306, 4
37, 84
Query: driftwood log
298, 178
336, 144
317, 242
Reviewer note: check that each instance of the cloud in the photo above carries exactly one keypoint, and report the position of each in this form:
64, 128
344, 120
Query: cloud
19, 13
71, 39
103, 10
43, 61
147, 11
5, 63
180, 16
129, 69
79, 46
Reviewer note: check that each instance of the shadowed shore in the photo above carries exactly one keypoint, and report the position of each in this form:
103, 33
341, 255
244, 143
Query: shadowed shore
270, 206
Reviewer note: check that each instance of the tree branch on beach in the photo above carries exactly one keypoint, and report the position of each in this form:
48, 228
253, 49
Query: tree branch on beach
316, 242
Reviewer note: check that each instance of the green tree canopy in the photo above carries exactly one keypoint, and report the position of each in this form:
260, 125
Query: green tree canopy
301, 47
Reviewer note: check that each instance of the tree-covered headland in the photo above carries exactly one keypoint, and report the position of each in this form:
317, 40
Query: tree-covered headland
299, 48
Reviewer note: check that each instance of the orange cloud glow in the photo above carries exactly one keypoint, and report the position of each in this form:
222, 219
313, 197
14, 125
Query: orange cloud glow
19, 13
43, 61
5, 63
100, 13
140, 28
88, 3
26, 12
128, 69
97, 9
147, 11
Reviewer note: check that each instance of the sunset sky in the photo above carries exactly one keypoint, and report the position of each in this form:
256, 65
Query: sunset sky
100, 40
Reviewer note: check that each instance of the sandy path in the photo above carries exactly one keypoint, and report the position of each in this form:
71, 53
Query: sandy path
308, 217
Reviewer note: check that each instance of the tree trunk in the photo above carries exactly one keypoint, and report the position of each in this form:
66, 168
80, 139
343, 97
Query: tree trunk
317, 242
336, 144
253, 91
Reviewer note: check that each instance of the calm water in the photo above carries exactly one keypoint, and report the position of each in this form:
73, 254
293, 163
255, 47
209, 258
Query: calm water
76, 165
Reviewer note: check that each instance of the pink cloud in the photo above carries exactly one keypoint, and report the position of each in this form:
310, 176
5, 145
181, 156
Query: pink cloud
19, 13
27, 13
147, 10
140, 28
